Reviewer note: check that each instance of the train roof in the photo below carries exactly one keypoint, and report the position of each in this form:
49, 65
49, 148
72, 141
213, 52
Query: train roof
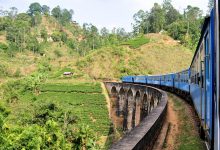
204, 27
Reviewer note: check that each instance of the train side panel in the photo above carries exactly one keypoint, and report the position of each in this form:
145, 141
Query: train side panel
140, 79
128, 79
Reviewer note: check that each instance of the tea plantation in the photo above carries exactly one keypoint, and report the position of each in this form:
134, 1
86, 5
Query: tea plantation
64, 116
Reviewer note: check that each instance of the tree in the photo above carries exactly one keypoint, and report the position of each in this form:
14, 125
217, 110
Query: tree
13, 12
36, 19
121, 34
66, 16
56, 12
171, 14
167, 5
156, 18
141, 22
44, 34
45, 10
104, 32
35, 8
33, 44
24, 17
192, 13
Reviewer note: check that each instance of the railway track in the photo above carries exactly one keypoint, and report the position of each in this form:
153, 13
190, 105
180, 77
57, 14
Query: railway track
180, 115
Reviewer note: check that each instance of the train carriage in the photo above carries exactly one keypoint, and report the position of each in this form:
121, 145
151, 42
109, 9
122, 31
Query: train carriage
181, 81
168, 80
154, 80
128, 79
202, 78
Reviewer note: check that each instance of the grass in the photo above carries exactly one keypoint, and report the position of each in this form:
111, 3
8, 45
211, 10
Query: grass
188, 139
137, 42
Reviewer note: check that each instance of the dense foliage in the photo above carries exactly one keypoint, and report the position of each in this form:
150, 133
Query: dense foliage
24, 31
165, 18
36, 115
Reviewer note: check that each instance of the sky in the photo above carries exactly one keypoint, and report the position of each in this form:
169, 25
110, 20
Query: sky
103, 13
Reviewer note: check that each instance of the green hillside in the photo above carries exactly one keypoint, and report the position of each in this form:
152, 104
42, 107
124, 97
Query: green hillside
161, 55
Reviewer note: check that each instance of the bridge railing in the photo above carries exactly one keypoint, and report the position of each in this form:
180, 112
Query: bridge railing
140, 110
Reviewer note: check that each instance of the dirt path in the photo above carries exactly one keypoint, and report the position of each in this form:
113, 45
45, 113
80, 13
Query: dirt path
105, 93
180, 129
166, 139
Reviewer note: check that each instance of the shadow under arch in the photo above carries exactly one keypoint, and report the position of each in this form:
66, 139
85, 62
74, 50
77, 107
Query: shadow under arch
114, 91
151, 104
122, 102
144, 107
137, 110
130, 109
114, 99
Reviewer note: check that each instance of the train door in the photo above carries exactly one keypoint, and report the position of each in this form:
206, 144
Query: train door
207, 84
200, 80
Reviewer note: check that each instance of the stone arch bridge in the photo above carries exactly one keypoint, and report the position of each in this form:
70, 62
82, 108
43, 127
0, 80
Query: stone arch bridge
133, 107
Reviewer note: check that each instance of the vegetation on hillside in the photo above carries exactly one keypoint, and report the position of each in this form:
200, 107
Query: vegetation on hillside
161, 55
36, 29
165, 18
39, 115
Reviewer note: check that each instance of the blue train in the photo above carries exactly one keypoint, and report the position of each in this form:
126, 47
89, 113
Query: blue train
200, 81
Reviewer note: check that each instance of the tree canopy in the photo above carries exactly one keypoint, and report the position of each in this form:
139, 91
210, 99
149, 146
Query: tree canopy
183, 27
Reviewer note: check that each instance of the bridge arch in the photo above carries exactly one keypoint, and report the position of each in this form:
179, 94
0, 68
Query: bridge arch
138, 98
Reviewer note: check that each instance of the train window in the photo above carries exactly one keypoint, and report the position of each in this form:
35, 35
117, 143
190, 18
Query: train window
198, 78
207, 58
202, 81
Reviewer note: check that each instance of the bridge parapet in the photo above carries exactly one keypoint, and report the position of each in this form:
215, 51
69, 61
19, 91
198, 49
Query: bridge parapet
139, 110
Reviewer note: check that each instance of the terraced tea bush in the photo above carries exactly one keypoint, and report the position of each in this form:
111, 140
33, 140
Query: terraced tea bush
83, 88
55, 117
137, 42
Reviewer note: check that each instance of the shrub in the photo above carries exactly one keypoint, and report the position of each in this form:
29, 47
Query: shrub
3, 46
58, 53
48, 136
56, 36
85, 138
63, 37
17, 73
44, 34
11, 90
44, 66
33, 44
3, 70
71, 43
118, 52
